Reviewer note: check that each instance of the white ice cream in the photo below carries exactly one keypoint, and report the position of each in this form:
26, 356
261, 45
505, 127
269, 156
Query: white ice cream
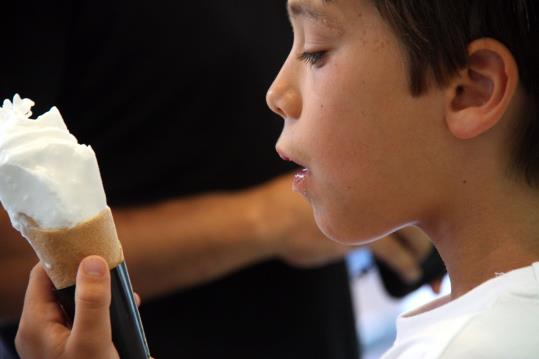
44, 173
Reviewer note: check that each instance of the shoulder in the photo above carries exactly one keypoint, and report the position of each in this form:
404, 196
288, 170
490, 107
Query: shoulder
506, 329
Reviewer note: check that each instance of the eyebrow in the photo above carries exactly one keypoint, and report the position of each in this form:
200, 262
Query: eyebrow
303, 9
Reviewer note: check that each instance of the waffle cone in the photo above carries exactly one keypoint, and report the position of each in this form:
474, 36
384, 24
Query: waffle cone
61, 250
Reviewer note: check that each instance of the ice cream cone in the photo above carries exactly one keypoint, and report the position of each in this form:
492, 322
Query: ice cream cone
61, 250
51, 187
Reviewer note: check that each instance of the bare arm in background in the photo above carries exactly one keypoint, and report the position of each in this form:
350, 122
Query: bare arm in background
189, 241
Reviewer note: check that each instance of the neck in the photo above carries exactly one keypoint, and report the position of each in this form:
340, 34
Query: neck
487, 233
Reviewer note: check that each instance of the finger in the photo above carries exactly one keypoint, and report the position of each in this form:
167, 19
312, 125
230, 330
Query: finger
398, 257
436, 286
39, 301
137, 299
91, 326
39, 315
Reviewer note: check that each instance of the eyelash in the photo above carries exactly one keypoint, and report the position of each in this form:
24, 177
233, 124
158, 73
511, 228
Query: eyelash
312, 58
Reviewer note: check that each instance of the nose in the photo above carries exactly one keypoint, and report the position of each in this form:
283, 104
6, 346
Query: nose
283, 96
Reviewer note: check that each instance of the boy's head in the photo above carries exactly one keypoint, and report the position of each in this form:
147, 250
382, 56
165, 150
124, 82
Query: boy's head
400, 109
436, 35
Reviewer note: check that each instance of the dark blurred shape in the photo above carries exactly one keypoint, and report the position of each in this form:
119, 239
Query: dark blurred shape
433, 269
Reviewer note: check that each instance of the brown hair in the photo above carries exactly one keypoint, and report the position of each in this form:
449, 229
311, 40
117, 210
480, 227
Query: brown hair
436, 34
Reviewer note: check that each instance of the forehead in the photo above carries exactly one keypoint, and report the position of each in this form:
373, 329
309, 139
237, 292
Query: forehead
307, 7
334, 13
323, 11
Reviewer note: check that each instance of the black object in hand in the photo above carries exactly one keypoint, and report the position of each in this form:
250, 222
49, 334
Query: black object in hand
127, 332
432, 267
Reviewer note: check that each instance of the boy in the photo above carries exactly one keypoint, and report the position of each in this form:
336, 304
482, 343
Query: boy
425, 113
402, 113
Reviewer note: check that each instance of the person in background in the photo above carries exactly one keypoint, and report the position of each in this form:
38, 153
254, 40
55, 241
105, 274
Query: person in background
170, 95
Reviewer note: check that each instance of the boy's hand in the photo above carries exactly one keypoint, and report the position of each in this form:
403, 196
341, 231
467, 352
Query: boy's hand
42, 331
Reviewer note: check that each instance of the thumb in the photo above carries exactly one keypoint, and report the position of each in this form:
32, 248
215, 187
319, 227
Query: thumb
91, 327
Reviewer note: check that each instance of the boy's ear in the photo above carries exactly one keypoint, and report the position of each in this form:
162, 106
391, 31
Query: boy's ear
479, 96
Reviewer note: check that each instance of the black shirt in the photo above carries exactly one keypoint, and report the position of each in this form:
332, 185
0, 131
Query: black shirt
170, 94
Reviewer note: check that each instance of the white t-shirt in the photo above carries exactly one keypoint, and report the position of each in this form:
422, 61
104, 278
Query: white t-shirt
497, 320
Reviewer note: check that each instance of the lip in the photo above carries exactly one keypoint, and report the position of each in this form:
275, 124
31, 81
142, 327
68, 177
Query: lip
301, 176
285, 157
301, 180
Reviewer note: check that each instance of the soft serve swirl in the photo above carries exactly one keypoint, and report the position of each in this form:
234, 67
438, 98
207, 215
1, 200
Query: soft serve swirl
44, 173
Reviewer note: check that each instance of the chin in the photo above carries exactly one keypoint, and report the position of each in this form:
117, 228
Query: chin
341, 232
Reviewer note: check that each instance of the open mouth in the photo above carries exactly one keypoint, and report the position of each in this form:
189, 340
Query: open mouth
301, 176
287, 158
283, 156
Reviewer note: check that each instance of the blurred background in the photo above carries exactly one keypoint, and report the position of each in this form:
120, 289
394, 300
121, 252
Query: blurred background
376, 311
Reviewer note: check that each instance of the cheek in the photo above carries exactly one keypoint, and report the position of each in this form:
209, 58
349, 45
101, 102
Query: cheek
366, 138
353, 142
340, 182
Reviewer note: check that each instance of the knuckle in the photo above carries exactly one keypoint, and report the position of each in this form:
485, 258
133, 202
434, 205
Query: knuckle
20, 340
25, 337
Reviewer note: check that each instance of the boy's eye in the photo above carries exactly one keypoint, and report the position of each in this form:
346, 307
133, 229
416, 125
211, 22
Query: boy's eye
313, 58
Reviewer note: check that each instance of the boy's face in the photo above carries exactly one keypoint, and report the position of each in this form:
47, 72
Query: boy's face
368, 145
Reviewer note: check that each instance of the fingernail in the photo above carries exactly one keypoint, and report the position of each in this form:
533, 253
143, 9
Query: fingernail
94, 267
